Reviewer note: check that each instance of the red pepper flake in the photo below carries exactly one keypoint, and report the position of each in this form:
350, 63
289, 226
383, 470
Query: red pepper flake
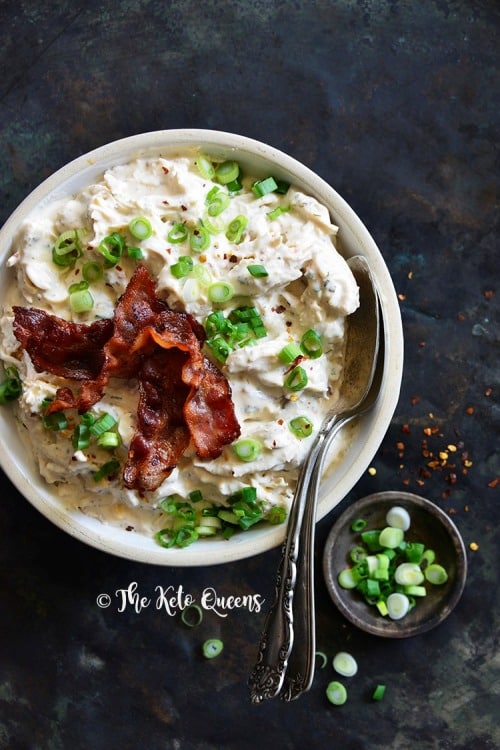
165, 170
488, 392
489, 294
494, 483
422, 344
400, 446
406, 429
401, 297
461, 317
469, 410
406, 481
184, 208
415, 400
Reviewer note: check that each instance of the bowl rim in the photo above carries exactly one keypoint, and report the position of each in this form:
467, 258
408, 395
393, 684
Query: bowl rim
396, 628
87, 167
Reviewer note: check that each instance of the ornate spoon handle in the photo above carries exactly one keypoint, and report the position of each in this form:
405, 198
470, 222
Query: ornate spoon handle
277, 639
301, 663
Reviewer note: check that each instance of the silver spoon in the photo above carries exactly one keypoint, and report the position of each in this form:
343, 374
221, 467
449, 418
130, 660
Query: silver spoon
279, 666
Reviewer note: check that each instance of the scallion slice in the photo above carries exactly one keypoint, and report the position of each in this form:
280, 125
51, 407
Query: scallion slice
276, 515
81, 437
265, 186
436, 574
275, 213
311, 344
199, 239
67, 248
235, 229
56, 421
397, 605
205, 167
227, 172
140, 228
178, 233
289, 353
112, 247
378, 693
81, 301
10, 388
103, 424
398, 517
135, 252
336, 693
109, 440
297, 379
192, 615
301, 426
107, 470
92, 272
258, 271
212, 648
220, 292
183, 267
217, 203
247, 449
345, 664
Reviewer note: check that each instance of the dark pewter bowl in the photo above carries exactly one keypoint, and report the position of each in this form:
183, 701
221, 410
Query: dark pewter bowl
430, 525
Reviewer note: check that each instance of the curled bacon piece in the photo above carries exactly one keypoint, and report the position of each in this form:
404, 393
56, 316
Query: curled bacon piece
183, 396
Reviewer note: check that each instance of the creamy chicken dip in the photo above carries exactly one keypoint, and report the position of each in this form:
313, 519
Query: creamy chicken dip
214, 242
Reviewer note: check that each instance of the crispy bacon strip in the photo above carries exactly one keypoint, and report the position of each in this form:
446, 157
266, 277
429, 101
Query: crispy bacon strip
162, 435
209, 414
70, 350
183, 396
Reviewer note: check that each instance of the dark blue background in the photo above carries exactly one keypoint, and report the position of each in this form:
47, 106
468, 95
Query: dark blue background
395, 103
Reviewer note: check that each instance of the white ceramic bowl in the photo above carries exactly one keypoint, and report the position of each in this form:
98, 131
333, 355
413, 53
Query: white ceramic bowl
259, 159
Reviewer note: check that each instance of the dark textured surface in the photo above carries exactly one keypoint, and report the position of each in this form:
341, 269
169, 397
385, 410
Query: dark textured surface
396, 104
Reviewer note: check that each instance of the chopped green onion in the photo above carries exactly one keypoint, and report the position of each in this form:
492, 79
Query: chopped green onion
311, 344
55, 421
87, 418
10, 388
104, 423
79, 286
428, 557
109, 440
135, 252
199, 239
219, 348
183, 267
283, 187
140, 228
412, 591
220, 291
112, 248
301, 426
371, 538
265, 186
81, 301
397, 605
226, 172
277, 212
408, 574
205, 167
436, 574
81, 437
107, 470
398, 517
212, 648
345, 664
378, 693
336, 693
289, 353
192, 615
276, 515
92, 272
391, 537
217, 203
235, 229
297, 379
178, 233
228, 516
67, 248
234, 186
202, 274
247, 449
258, 271
348, 578
358, 524
357, 554
324, 660
414, 552
213, 224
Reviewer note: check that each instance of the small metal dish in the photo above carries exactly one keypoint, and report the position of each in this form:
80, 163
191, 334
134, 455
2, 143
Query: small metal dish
430, 525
